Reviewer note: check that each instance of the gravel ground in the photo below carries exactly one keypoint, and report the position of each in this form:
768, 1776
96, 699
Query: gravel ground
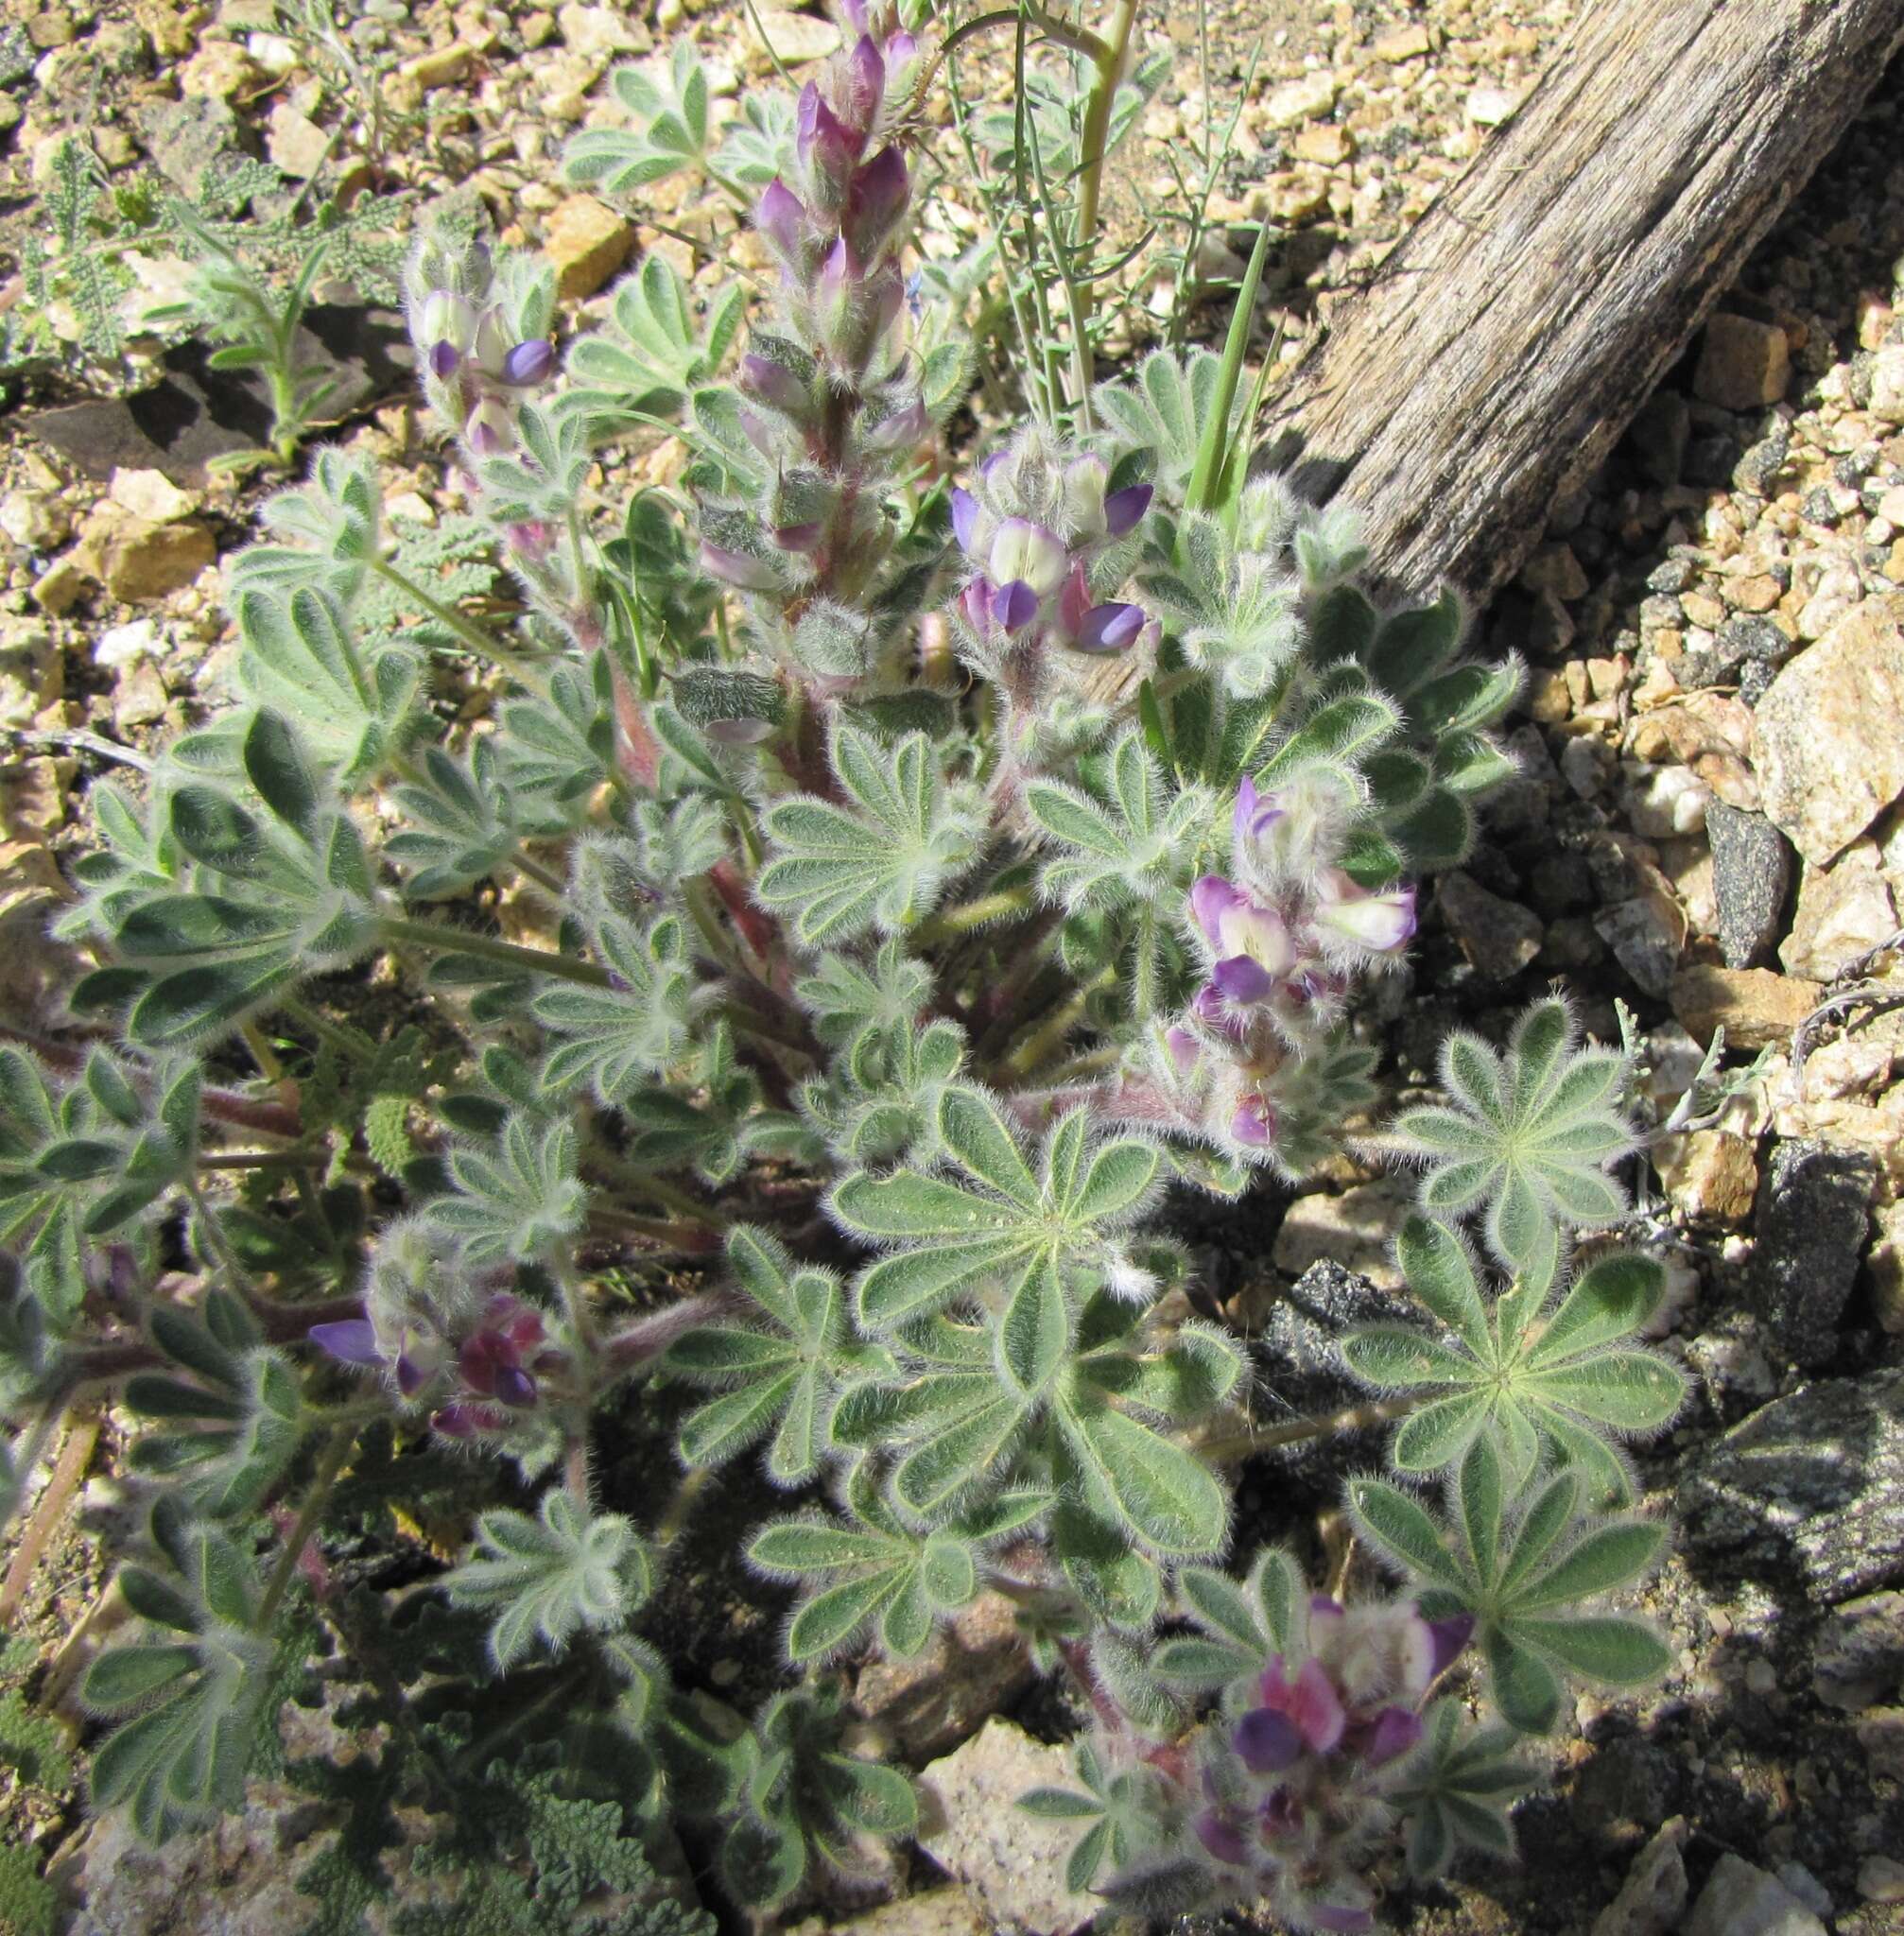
1705, 827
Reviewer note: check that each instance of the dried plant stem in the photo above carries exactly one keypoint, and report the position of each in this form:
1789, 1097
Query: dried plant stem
1230, 1446
82, 1435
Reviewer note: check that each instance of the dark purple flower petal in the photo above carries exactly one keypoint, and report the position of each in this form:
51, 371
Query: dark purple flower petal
444, 359
739, 568
804, 537
781, 217
412, 1376
528, 362
1395, 1731
774, 383
1124, 509
1450, 1636
900, 49
876, 200
515, 1386
1266, 1742
1243, 979
1210, 900
966, 514
1255, 1123
1220, 1836
865, 84
1109, 628
1015, 606
350, 1341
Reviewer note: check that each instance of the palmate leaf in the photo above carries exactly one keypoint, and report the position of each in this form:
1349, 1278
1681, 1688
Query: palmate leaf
1121, 1812
1140, 844
783, 1371
567, 1570
192, 1693
668, 129
1458, 1789
1525, 1566
612, 1039
879, 1102
883, 860
875, 1571
1242, 1622
461, 823
1530, 1134
517, 1199
648, 353
1558, 1377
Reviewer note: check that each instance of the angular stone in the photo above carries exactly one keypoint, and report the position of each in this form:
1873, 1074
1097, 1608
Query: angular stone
295, 143
1884, 1265
1500, 937
1828, 734
1653, 1898
151, 495
586, 242
1646, 935
1012, 1861
1880, 1734
1844, 913
1813, 1483
1740, 1900
1859, 1655
1712, 1175
1756, 1008
1751, 881
1353, 1229
1743, 365
1880, 1879
1295, 101
798, 37
1812, 1224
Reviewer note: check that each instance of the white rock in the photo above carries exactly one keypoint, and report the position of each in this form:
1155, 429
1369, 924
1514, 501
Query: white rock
34, 520
1488, 107
277, 56
1839, 589
1887, 383
1653, 1898
1664, 803
1828, 735
122, 644
1740, 1900
1012, 1861
1307, 99
797, 37
1843, 911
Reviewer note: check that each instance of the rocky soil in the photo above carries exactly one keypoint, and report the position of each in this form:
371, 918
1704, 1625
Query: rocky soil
1707, 829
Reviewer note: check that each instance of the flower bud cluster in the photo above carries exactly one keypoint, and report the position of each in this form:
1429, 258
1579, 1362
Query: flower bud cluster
448, 1335
831, 398
1289, 1793
481, 342
1043, 533
1281, 936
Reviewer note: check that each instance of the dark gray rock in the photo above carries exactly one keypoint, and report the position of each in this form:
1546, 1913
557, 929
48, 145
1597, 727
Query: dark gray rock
186, 138
1816, 507
1499, 937
1857, 1657
1814, 1219
1750, 882
1755, 681
1813, 1485
1675, 574
1760, 467
1752, 636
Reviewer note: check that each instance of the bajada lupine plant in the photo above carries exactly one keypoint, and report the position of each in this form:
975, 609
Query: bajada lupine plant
777, 1029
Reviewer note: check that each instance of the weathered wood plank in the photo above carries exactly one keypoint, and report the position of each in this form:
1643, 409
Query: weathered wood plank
1512, 334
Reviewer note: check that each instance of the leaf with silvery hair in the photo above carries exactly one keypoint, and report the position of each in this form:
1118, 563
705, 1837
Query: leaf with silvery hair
227, 1418
1525, 1568
1162, 413
555, 752
1529, 1134
873, 1570
516, 1198
847, 996
612, 1039
881, 861
1458, 1788
1551, 1376
190, 1692
667, 129
781, 1367
568, 1570
1137, 844
1122, 1812
648, 353
460, 822
335, 521
702, 1124
879, 1100
541, 485
1240, 1622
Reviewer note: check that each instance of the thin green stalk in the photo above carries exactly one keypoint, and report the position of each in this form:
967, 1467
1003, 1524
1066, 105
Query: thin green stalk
456, 940
982, 912
220, 1244
1213, 452
1094, 136
345, 1041
1048, 1036
261, 1159
480, 639
336, 1451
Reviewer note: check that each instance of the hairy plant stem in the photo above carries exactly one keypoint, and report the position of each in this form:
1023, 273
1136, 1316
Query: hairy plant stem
1224, 1449
1110, 58
331, 1463
985, 911
82, 1435
220, 1245
1047, 1037
456, 940
479, 638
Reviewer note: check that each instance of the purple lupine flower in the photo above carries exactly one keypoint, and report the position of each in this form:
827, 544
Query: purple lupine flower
1109, 628
350, 1341
1255, 1123
1220, 1836
900, 429
781, 216
1124, 509
965, 516
445, 356
1341, 1917
876, 200
1266, 1742
1391, 1734
1255, 813
740, 569
864, 85
1380, 920
1013, 606
802, 538
826, 147
1030, 554
1309, 1700
528, 363
1251, 942
490, 428
1452, 1637
1184, 1049
901, 49
774, 383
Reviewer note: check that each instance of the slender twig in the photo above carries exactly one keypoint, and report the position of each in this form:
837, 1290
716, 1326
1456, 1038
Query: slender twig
81, 1436
458, 940
331, 1463
1226, 1447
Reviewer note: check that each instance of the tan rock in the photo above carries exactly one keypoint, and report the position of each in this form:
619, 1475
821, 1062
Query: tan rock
439, 67
1743, 365
294, 142
1327, 145
1710, 1174
1354, 1229
1884, 1261
1013, 1863
1828, 734
1404, 43
151, 495
795, 37
1843, 911
1756, 1008
1296, 101
587, 242
142, 562
35, 520
974, 1667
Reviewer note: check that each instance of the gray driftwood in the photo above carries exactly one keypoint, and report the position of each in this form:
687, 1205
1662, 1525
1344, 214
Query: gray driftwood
1512, 334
